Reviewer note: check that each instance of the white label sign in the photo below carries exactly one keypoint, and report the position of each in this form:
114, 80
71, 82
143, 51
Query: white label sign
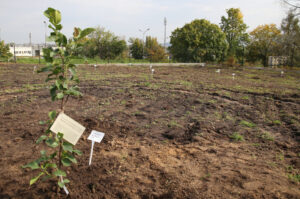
96, 136
71, 129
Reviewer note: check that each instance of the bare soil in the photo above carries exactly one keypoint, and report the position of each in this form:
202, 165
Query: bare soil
167, 136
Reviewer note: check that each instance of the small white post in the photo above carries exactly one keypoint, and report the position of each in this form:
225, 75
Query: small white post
91, 154
95, 136
34, 69
65, 188
233, 76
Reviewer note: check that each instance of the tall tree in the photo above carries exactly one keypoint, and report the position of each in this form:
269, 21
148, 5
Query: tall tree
265, 41
235, 29
291, 37
198, 41
154, 51
136, 48
105, 44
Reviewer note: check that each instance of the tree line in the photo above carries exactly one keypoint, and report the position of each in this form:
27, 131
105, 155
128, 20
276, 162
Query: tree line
202, 41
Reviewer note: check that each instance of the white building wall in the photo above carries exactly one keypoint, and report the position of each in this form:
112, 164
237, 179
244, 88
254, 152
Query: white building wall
21, 51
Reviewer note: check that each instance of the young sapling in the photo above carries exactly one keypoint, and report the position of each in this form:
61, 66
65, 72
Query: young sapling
58, 65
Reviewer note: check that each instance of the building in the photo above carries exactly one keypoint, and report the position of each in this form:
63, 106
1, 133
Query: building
26, 50
278, 60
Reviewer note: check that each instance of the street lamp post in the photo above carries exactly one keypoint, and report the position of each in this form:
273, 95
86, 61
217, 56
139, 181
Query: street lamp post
144, 32
45, 32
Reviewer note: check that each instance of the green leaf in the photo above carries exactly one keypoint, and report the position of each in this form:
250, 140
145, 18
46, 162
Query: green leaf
43, 152
51, 142
60, 184
43, 137
77, 152
66, 162
60, 135
52, 115
33, 180
50, 165
67, 146
57, 17
66, 181
52, 155
86, 32
60, 95
53, 92
33, 165
59, 173
71, 157
42, 122
46, 177
53, 15
44, 69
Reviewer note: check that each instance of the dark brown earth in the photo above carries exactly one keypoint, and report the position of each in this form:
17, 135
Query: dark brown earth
167, 136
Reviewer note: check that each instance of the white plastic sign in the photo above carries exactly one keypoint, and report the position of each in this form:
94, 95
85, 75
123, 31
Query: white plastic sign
95, 136
71, 129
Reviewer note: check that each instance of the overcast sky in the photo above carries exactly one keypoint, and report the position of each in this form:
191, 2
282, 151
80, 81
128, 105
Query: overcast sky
125, 17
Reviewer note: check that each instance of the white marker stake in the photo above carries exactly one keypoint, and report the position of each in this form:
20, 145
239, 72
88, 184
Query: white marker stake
95, 136
34, 69
65, 188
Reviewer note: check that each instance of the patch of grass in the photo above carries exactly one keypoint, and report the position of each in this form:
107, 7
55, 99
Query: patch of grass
245, 97
267, 136
256, 144
123, 102
247, 124
280, 156
277, 122
294, 177
173, 123
237, 137
206, 176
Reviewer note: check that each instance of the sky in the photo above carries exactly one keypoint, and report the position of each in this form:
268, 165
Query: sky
125, 18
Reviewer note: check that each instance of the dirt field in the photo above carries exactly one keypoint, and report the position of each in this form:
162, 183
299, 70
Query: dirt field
167, 136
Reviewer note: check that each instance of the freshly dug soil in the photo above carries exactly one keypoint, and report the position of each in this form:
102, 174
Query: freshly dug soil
170, 135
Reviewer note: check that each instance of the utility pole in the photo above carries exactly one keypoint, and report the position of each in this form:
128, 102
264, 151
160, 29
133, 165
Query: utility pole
15, 53
165, 35
45, 32
30, 38
144, 32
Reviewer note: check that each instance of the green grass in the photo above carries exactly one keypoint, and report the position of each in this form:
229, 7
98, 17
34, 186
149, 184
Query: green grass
245, 97
277, 122
294, 177
237, 137
267, 136
247, 124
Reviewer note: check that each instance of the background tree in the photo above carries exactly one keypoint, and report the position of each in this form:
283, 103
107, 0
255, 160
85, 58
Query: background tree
198, 41
291, 37
153, 50
293, 3
136, 48
105, 44
265, 41
235, 29
4, 50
